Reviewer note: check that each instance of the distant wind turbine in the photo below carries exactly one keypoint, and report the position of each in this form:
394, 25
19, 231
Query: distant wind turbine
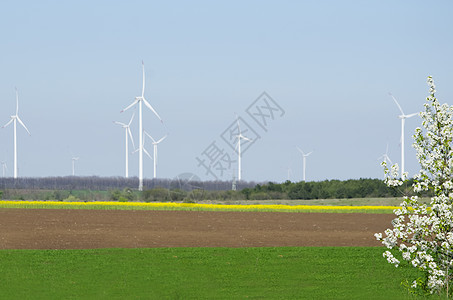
304, 161
155, 143
141, 99
289, 173
385, 157
403, 118
14, 120
127, 133
240, 137
144, 149
4, 168
73, 165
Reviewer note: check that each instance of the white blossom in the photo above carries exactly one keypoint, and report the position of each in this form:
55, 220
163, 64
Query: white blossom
424, 236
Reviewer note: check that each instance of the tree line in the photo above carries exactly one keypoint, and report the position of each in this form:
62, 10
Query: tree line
122, 189
328, 189
96, 183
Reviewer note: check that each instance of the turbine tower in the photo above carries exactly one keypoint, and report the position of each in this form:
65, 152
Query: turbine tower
240, 137
127, 133
73, 165
139, 100
304, 161
14, 120
403, 118
155, 151
4, 168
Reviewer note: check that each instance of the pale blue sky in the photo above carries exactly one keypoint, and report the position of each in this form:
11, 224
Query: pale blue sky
328, 64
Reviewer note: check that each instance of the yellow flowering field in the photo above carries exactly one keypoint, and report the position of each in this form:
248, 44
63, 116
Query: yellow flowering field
195, 206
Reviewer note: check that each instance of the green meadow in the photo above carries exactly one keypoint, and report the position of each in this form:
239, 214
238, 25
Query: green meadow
202, 273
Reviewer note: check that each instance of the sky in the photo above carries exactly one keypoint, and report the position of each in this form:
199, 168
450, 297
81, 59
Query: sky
326, 68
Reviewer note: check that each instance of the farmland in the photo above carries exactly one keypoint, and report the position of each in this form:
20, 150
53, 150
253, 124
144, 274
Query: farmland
194, 254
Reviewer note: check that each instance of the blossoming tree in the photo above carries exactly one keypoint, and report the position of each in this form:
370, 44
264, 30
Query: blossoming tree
422, 235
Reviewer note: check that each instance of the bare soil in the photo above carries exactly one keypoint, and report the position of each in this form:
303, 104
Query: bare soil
88, 229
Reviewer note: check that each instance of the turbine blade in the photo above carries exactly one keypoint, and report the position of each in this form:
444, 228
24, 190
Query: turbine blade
133, 115
388, 158
161, 139
9, 122
130, 135
237, 120
309, 153
152, 109
146, 152
132, 104
300, 150
150, 137
401, 110
119, 123
143, 86
17, 102
22, 123
411, 115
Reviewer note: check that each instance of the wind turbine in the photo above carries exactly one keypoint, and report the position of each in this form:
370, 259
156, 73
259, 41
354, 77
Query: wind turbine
127, 133
4, 168
238, 147
385, 156
73, 165
403, 118
304, 161
139, 100
144, 149
155, 151
14, 120
289, 173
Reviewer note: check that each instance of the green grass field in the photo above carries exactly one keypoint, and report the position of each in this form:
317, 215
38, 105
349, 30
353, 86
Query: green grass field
201, 273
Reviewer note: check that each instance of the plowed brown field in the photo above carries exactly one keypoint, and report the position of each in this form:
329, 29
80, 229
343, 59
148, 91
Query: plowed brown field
86, 229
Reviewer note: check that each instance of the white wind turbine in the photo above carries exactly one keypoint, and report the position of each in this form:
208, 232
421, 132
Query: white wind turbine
403, 118
141, 99
290, 172
304, 161
14, 120
155, 143
144, 149
240, 137
385, 157
127, 133
4, 168
73, 165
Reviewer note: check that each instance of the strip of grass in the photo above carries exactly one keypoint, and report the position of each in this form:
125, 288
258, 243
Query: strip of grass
202, 273
194, 206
